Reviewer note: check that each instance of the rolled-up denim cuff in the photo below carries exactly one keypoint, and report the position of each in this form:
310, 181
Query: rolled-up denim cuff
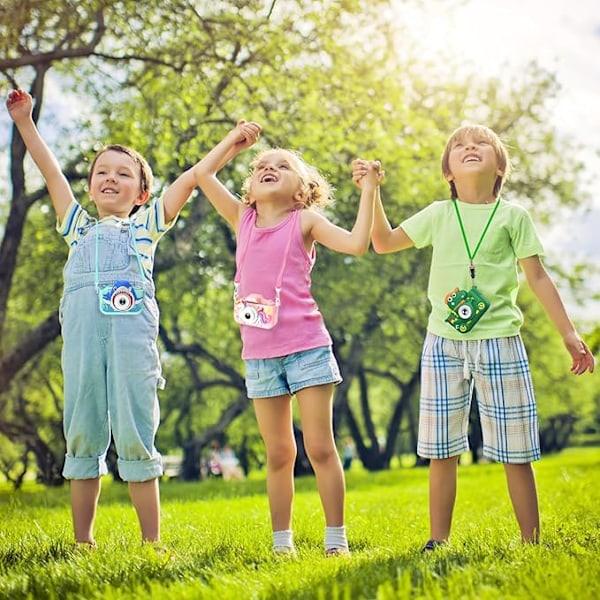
84, 468
140, 470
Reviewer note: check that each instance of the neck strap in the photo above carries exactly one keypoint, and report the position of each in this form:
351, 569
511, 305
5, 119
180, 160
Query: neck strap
137, 255
470, 254
236, 279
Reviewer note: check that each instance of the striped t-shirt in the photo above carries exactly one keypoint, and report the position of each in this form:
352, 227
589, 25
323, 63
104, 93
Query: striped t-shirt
148, 225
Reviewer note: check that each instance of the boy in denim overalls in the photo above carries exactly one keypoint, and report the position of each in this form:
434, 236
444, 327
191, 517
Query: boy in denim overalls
109, 319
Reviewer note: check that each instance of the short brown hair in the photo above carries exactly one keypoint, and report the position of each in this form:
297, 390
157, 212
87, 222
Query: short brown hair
490, 136
146, 177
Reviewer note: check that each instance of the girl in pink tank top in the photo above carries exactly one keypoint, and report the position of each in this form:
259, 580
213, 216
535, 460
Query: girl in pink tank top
285, 344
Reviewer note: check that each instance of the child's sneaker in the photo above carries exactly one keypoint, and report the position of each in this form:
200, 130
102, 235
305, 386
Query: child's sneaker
432, 545
337, 552
287, 551
84, 546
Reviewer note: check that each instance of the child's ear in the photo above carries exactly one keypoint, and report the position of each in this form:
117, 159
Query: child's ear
500, 172
142, 198
449, 177
299, 196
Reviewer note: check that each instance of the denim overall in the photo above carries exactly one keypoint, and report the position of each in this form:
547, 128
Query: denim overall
111, 366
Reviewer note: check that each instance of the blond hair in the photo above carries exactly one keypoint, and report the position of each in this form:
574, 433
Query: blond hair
487, 134
315, 189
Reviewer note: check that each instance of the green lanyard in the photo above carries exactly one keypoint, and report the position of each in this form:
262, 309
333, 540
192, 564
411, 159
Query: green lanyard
464, 235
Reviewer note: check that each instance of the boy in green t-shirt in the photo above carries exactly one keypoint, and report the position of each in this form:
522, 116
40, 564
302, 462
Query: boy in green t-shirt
473, 341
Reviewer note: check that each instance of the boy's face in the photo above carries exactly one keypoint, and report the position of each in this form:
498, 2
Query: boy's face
472, 157
115, 185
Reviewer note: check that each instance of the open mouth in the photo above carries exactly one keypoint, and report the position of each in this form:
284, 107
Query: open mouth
471, 158
268, 178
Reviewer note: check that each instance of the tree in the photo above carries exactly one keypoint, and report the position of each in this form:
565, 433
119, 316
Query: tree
300, 68
80, 38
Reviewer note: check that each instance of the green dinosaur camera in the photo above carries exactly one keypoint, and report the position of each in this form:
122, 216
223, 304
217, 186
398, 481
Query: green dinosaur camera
466, 308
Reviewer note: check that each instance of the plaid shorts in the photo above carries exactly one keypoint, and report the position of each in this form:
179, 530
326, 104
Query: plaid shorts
497, 370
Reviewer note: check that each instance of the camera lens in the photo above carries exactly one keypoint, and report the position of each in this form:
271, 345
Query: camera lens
465, 311
250, 315
122, 299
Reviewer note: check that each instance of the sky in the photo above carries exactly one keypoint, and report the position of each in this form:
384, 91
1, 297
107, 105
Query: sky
500, 37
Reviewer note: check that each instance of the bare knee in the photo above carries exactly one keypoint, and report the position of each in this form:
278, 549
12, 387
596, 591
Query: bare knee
281, 456
320, 452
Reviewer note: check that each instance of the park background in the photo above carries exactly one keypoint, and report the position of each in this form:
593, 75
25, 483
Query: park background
335, 80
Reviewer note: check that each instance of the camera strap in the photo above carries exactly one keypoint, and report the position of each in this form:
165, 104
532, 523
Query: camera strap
236, 279
470, 254
137, 254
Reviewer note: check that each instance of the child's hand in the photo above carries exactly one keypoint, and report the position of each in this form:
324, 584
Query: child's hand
583, 359
19, 104
379, 170
246, 134
362, 168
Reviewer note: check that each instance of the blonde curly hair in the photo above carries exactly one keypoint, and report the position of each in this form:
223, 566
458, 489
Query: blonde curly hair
316, 190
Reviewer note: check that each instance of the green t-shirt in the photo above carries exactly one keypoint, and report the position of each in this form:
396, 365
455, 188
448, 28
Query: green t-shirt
511, 236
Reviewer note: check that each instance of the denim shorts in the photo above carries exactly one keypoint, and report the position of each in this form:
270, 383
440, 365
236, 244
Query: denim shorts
269, 377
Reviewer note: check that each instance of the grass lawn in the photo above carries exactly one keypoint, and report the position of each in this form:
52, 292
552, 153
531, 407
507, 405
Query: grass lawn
217, 543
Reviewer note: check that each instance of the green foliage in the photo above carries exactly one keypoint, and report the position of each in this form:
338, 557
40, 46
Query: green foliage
217, 543
333, 80
557, 390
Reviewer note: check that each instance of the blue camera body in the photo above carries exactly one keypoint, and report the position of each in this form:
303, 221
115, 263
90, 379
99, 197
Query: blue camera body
121, 299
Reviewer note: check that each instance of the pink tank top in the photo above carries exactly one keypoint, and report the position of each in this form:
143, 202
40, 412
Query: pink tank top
300, 325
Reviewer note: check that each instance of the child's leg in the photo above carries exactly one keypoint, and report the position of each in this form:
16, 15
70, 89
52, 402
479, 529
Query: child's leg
316, 413
146, 500
84, 501
509, 424
442, 495
523, 495
274, 417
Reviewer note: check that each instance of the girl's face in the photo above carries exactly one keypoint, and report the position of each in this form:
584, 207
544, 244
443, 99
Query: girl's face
472, 155
115, 185
277, 173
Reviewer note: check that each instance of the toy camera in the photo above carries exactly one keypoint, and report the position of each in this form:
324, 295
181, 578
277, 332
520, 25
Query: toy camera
466, 308
121, 299
256, 311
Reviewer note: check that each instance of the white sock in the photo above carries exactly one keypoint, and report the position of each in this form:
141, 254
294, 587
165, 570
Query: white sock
283, 540
335, 537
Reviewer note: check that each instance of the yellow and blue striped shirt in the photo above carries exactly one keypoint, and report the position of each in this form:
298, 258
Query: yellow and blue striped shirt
148, 225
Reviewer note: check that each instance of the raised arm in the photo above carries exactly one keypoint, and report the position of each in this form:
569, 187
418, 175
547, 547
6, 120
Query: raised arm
20, 106
204, 175
385, 238
545, 290
356, 241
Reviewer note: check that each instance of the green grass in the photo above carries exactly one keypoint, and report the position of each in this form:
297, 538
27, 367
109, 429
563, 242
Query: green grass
216, 541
